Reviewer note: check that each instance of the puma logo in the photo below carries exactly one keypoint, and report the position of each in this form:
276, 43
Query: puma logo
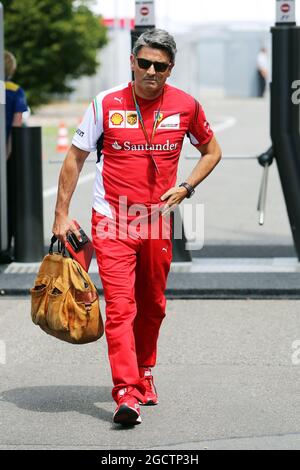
118, 99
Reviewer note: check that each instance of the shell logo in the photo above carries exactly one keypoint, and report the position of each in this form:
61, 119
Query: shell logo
116, 119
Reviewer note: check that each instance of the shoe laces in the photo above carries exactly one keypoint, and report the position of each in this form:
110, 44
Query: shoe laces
125, 395
148, 380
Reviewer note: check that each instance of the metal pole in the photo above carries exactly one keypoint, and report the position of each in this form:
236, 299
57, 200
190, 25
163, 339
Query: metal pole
285, 122
261, 206
3, 196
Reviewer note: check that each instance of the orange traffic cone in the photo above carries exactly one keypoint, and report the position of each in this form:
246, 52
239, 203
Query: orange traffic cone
62, 139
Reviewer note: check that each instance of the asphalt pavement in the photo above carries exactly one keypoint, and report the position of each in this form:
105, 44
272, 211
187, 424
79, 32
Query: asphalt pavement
227, 377
228, 363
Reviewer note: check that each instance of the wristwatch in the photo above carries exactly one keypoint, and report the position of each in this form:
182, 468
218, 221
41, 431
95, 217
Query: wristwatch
189, 188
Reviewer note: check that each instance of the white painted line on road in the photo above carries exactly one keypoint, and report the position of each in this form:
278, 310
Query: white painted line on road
2, 352
82, 180
198, 265
239, 265
228, 121
23, 268
226, 157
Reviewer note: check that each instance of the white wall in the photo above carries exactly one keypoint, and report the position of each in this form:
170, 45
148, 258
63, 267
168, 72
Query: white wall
213, 59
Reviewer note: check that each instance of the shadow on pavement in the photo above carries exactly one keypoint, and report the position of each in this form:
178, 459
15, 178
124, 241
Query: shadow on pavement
56, 399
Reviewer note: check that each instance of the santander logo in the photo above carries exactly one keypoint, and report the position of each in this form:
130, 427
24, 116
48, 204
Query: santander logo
129, 146
116, 146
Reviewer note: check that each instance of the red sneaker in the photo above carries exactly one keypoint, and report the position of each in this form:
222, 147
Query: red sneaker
128, 410
151, 393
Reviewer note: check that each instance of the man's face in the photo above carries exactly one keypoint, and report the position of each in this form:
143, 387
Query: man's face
149, 80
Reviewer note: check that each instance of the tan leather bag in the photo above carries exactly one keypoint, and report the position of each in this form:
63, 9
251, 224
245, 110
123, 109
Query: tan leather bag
64, 300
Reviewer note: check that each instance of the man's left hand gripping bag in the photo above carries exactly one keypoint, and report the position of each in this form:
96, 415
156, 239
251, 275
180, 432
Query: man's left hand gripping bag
64, 300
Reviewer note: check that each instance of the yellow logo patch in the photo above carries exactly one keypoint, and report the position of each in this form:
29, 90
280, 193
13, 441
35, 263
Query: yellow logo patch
116, 119
131, 118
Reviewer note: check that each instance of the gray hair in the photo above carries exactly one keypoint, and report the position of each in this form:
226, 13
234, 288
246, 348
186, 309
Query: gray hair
158, 39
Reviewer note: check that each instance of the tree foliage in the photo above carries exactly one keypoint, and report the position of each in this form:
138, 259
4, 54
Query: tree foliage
54, 42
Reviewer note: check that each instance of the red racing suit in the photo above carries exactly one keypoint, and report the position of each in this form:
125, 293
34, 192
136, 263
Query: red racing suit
133, 263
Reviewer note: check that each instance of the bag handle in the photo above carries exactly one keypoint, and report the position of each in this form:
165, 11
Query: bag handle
61, 246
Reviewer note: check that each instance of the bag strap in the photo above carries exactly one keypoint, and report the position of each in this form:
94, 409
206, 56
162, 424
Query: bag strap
61, 246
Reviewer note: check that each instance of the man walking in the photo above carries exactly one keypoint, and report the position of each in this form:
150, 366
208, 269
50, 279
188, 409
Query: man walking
138, 130
262, 71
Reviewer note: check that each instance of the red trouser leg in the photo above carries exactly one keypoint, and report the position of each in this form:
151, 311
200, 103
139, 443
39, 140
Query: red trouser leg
153, 264
117, 261
133, 273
